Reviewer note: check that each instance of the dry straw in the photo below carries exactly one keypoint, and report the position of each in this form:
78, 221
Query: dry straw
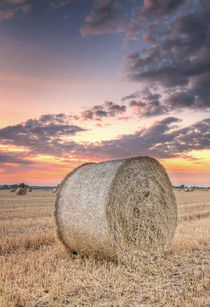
21, 191
122, 209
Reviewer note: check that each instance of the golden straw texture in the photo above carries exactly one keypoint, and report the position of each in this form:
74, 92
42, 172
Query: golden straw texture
122, 209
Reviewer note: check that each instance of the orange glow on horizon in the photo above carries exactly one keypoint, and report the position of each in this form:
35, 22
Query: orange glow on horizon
194, 167
198, 161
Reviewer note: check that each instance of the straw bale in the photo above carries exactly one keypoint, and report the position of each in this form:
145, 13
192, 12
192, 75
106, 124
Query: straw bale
21, 191
122, 209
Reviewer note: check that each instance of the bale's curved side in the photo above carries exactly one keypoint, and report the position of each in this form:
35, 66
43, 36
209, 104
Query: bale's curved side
81, 208
56, 211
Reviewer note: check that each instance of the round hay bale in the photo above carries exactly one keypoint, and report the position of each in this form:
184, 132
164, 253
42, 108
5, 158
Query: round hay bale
29, 190
122, 209
12, 190
21, 191
54, 190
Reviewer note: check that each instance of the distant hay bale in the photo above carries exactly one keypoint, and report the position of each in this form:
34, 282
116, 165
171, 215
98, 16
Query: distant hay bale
122, 209
21, 191
12, 190
54, 190
187, 190
29, 190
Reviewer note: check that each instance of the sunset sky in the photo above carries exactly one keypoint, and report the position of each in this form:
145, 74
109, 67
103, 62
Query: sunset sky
93, 80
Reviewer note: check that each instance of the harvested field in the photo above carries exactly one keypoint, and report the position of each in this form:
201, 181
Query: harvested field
36, 270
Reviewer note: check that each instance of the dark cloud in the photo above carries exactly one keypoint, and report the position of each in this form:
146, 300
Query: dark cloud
176, 58
195, 137
131, 96
147, 16
149, 108
107, 18
44, 135
146, 103
181, 100
108, 109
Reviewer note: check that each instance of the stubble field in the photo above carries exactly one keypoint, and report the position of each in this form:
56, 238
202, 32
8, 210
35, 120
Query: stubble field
36, 270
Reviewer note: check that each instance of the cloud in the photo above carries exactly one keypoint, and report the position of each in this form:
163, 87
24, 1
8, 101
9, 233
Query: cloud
42, 136
148, 105
148, 109
164, 139
13, 159
131, 96
176, 58
9, 12
148, 15
107, 18
48, 136
159, 7
108, 109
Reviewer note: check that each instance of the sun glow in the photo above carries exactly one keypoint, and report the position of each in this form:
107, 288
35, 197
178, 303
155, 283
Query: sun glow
192, 163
